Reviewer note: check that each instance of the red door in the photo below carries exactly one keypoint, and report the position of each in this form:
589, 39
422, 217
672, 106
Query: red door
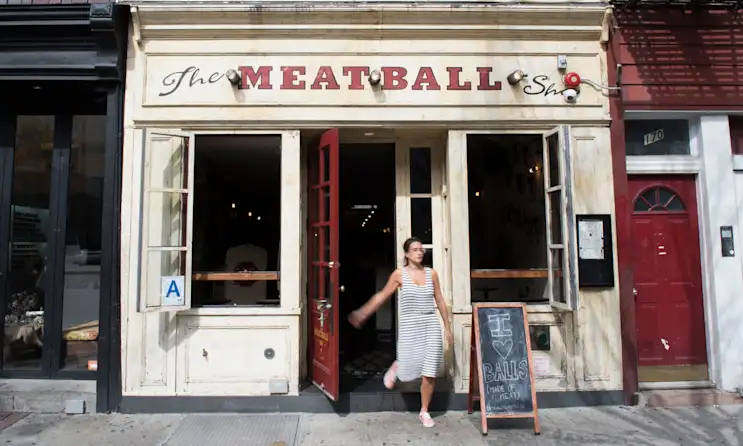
323, 261
668, 281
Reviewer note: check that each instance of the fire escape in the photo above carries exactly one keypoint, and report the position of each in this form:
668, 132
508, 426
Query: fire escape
690, 4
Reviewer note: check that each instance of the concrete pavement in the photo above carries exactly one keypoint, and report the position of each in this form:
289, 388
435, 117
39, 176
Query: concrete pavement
717, 425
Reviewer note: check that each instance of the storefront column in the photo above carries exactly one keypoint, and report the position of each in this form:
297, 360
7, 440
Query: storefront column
459, 250
724, 308
291, 226
459, 225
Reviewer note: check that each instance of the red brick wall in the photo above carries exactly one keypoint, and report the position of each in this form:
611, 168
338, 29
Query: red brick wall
680, 59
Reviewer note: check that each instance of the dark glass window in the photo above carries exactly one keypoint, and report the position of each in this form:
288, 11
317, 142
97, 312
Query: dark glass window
83, 253
657, 137
659, 199
420, 170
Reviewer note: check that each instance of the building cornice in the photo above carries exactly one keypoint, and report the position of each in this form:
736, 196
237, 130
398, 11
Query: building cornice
316, 20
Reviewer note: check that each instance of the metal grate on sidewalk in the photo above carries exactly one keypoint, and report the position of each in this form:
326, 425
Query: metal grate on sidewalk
242, 430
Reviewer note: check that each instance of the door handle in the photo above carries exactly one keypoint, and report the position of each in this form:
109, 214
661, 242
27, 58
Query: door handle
634, 292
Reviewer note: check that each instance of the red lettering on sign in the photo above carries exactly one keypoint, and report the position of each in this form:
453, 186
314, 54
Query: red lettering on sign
426, 76
325, 76
357, 74
485, 79
454, 82
394, 78
290, 81
251, 78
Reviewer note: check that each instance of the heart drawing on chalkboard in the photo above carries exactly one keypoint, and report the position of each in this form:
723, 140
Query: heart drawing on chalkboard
503, 348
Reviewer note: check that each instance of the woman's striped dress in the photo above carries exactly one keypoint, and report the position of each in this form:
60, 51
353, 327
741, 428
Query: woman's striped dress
420, 349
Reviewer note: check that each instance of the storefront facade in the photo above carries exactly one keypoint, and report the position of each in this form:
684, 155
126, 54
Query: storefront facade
675, 144
61, 79
366, 126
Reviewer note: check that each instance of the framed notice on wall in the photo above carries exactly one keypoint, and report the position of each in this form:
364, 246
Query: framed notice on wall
595, 251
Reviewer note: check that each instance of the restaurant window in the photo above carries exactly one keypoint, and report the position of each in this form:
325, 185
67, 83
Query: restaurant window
519, 213
212, 221
657, 137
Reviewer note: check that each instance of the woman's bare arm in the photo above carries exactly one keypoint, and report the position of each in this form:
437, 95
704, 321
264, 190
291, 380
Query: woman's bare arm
440, 302
379, 298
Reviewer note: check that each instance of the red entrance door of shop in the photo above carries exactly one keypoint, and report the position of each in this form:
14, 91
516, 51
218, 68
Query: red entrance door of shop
668, 283
323, 261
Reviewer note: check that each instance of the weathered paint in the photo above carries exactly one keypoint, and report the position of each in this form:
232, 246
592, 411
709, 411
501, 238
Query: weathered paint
164, 352
683, 60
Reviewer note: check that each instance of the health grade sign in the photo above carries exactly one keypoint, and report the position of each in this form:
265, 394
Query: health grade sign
343, 81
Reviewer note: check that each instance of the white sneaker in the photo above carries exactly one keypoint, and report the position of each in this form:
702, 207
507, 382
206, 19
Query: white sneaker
426, 419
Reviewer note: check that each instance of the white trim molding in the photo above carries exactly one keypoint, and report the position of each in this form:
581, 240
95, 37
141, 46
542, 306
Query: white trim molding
663, 165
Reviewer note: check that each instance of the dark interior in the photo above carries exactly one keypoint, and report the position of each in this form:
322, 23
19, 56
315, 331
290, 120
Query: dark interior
506, 215
367, 256
237, 201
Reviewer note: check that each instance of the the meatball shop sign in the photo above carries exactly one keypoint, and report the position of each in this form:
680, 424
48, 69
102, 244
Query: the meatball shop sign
327, 77
436, 81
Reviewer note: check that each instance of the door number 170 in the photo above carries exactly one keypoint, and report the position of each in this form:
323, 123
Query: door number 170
653, 136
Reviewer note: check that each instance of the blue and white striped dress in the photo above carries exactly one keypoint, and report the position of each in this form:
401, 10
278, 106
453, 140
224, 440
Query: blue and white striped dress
420, 349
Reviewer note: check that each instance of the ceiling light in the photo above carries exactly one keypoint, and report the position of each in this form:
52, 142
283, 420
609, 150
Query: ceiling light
477, 194
259, 217
250, 214
233, 205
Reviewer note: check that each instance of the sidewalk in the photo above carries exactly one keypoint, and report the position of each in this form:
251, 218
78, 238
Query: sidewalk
721, 425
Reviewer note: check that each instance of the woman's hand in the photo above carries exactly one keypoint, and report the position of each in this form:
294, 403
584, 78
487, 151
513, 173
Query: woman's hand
357, 318
449, 338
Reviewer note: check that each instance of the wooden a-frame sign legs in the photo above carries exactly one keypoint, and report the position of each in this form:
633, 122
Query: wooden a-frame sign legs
477, 381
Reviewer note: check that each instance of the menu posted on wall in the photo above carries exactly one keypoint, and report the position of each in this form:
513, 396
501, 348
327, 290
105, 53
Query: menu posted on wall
501, 367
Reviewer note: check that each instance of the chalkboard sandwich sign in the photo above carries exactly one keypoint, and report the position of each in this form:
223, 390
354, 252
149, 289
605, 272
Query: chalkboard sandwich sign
501, 368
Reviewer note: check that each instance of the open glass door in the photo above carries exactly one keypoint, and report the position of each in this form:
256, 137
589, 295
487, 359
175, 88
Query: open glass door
323, 252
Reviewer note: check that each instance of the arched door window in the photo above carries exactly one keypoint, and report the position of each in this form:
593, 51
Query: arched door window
659, 199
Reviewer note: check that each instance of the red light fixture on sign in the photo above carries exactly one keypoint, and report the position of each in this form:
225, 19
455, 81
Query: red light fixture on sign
572, 80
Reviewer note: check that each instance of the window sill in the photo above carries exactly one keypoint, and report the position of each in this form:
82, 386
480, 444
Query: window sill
242, 311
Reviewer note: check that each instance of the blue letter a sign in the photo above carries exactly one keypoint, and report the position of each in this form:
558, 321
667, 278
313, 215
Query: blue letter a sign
172, 289
172, 293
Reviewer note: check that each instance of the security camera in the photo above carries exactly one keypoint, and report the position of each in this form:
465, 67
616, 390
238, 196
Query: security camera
570, 95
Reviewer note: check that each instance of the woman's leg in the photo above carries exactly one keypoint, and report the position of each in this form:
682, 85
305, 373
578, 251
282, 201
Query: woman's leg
390, 377
427, 385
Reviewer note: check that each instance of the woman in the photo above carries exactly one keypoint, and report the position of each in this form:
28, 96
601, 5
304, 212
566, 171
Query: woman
420, 352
